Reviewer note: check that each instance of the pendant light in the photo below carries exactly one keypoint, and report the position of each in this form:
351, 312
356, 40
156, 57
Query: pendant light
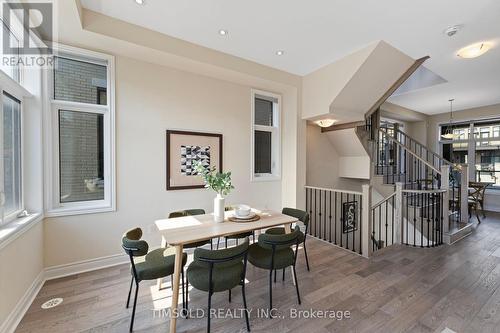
448, 134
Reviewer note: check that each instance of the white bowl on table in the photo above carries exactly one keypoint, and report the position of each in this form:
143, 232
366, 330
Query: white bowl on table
242, 211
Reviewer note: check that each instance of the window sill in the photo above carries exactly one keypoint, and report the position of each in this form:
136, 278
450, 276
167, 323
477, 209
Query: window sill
69, 211
17, 227
266, 179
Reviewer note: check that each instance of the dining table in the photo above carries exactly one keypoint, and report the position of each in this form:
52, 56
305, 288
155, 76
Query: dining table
177, 232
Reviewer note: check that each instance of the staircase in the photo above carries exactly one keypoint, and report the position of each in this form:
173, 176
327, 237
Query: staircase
428, 186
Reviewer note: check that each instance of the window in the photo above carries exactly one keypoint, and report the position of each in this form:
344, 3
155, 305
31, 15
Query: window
11, 156
481, 151
266, 136
12, 70
82, 122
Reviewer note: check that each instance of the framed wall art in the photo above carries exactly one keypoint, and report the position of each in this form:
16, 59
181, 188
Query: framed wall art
183, 149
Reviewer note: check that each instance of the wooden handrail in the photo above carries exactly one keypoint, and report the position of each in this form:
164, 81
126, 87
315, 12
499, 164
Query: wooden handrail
334, 190
383, 200
409, 151
397, 84
419, 143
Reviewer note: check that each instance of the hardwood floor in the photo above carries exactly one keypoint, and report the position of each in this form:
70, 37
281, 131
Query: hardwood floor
400, 290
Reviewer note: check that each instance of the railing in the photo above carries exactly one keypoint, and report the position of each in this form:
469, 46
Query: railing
418, 148
383, 216
397, 163
336, 217
422, 217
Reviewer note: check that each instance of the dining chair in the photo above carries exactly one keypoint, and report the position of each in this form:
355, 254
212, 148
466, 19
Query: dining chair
191, 212
303, 217
219, 270
481, 189
473, 202
273, 252
146, 265
237, 237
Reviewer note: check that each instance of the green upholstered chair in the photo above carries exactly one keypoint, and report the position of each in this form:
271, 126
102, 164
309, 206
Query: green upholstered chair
301, 216
191, 212
219, 270
235, 236
146, 265
273, 252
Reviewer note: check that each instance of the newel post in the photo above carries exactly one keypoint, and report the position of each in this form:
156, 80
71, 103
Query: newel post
464, 193
366, 225
445, 185
398, 221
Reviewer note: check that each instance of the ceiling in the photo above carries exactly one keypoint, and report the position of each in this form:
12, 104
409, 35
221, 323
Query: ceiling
318, 32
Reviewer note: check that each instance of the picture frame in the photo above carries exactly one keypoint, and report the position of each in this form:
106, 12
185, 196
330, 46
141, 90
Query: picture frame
185, 147
349, 217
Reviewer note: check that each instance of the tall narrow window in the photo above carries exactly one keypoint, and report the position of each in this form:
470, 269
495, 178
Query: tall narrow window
82, 117
11, 138
265, 136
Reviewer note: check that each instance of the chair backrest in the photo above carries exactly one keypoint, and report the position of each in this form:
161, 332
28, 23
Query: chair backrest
132, 243
279, 241
187, 212
223, 257
301, 215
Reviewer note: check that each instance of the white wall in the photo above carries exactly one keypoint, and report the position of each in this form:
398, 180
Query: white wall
149, 100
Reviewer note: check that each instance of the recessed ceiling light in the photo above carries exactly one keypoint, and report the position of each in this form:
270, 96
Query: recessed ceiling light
140, 2
223, 32
474, 50
452, 31
280, 52
326, 122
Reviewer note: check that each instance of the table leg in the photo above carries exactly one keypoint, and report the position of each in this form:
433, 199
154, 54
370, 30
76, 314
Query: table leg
175, 287
288, 229
158, 281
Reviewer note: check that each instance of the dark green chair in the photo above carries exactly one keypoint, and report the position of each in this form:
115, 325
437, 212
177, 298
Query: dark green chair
146, 265
236, 236
219, 270
273, 252
191, 212
301, 216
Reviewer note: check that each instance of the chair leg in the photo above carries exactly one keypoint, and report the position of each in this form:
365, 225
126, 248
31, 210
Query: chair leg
211, 244
218, 241
130, 291
133, 309
253, 236
226, 242
283, 274
307, 258
245, 305
183, 294
270, 290
187, 295
229, 295
275, 276
296, 283
209, 306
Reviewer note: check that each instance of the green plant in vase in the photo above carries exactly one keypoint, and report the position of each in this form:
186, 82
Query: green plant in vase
219, 182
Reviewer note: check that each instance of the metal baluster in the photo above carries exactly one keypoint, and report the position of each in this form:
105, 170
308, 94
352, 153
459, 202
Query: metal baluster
335, 218
315, 214
330, 218
324, 219
358, 220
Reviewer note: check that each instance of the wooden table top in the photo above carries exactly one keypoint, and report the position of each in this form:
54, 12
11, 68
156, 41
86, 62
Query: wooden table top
191, 229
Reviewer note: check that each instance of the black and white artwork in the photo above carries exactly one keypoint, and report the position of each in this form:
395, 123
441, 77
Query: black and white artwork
191, 154
349, 216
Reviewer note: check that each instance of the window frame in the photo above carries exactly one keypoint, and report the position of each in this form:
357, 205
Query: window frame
53, 206
15, 90
474, 141
275, 131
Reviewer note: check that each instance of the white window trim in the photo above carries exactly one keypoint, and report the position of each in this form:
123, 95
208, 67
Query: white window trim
16, 90
53, 207
275, 175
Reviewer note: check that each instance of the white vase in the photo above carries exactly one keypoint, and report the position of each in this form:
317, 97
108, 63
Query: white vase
219, 208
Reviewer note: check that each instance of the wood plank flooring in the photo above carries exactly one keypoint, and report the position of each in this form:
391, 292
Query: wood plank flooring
401, 289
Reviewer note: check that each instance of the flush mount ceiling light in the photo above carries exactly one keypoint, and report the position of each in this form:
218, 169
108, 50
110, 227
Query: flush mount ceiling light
325, 122
280, 52
140, 2
223, 32
448, 134
474, 50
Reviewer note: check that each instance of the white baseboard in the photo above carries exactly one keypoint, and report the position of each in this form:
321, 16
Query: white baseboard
55, 272
22, 306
